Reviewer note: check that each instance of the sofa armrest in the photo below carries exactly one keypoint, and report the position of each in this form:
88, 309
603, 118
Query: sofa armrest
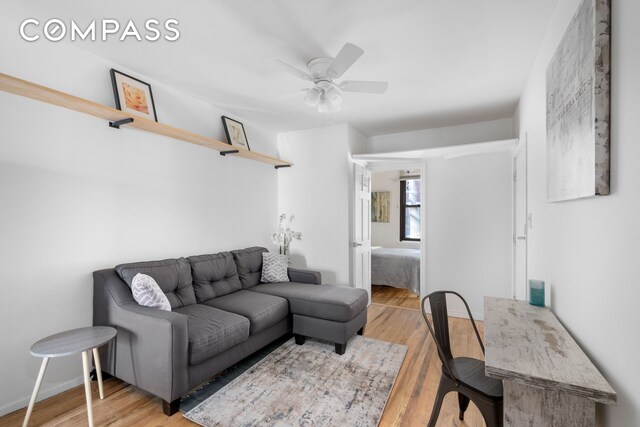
305, 276
151, 348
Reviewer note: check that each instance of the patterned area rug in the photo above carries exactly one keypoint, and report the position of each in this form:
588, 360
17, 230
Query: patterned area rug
308, 385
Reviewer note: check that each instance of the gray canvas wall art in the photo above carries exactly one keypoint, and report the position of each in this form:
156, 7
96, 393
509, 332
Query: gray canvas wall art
578, 79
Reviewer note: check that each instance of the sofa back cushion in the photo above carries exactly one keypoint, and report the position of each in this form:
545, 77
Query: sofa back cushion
249, 264
172, 275
214, 275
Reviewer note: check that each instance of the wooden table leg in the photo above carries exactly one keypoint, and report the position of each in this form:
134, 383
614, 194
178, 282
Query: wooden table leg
36, 389
536, 407
96, 362
87, 385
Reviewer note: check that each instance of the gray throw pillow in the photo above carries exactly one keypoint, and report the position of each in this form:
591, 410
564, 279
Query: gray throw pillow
146, 292
274, 268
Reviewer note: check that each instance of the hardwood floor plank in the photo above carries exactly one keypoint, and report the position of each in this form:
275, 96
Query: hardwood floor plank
394, 316
395, 297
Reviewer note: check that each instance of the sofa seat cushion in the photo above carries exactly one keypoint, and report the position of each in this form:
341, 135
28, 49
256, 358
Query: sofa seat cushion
212, 331
262, 310
337, 303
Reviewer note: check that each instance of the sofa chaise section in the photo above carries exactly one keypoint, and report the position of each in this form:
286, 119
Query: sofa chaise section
326, 312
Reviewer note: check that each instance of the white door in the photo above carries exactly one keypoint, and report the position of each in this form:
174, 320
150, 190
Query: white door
520, 222
361, 242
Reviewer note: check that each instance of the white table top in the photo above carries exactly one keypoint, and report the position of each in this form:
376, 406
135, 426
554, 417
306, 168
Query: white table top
528, 345
73, 341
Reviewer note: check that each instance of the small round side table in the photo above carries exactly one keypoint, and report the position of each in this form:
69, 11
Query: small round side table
82, 340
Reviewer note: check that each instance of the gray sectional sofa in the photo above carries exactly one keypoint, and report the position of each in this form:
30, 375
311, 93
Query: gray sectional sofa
220, 314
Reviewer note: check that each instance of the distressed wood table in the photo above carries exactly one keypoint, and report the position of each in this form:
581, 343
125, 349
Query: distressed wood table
82, 340
548, 380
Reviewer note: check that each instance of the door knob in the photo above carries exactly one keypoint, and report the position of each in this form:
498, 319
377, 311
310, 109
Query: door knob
356, 244
519, 238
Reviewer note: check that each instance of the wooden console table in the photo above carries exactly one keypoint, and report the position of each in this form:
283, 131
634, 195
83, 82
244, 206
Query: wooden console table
548, 380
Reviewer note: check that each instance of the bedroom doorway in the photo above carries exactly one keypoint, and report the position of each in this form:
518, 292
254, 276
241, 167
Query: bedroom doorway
397, 225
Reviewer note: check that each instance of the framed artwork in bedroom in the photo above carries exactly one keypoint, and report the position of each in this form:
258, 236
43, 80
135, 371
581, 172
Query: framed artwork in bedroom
380, 206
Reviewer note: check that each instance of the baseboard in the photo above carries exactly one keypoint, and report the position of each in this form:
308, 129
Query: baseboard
43, 394
463, 314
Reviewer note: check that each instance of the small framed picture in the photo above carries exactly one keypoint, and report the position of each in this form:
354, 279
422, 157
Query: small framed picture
236, 135
133, 96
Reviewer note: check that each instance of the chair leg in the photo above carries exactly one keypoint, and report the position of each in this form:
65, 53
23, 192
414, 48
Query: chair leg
493, 415
463, 402
361, 331
442, 391
341, 348
300, 339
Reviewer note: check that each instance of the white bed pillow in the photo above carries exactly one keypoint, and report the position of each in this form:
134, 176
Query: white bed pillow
146, 292
274, 268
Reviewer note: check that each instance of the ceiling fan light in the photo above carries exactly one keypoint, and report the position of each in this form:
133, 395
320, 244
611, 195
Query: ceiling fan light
333, 95
312, 97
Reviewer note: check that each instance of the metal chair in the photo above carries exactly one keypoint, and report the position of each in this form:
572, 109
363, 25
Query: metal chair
463, 375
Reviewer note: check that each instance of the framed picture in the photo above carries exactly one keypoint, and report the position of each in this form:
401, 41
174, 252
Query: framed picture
133, 96
380, 206
578, 78
236, 135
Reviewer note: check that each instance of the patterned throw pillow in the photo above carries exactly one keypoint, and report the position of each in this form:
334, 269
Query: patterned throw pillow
147, 292
274, 268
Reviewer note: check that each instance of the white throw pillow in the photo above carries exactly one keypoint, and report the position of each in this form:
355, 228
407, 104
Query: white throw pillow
274, 268
147, 292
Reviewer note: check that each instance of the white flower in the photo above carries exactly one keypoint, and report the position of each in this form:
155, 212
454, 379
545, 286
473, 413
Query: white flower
283, 236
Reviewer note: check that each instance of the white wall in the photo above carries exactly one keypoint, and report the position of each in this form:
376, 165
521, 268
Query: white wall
468, 229
494, 130
387, 234
317, 191
77, 196
588, 250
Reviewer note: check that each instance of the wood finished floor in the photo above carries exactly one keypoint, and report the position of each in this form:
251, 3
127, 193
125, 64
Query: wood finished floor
393, 317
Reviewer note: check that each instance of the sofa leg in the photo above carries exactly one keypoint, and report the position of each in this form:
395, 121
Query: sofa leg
361, 331
341, 348
300, 339
170, 408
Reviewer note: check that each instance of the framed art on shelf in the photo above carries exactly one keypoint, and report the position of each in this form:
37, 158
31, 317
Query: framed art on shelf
133, 96
236, 135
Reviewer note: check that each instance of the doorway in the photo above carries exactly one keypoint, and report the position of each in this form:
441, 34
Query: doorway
378, 230
520, 220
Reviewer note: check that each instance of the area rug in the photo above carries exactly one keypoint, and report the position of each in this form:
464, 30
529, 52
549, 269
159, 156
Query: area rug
308, 385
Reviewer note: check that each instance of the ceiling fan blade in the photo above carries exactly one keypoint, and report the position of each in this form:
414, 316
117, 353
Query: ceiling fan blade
345, 59
364, 86
290, 69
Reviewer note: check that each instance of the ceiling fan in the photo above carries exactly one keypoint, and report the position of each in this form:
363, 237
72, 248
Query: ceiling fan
326, 93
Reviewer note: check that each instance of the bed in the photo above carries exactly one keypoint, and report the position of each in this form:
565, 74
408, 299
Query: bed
397, 267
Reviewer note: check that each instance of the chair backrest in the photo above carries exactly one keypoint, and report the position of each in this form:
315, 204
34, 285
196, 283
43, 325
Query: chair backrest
440, 328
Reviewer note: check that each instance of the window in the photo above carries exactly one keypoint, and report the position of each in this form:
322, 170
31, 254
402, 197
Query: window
410, 209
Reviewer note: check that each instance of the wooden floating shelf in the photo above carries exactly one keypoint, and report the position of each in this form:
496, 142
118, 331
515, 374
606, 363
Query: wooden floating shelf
61, 99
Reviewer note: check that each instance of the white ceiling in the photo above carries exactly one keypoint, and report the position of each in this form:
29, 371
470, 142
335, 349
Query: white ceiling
448, 62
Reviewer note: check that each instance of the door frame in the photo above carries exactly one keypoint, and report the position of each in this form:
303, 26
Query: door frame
377, 166
520, 148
